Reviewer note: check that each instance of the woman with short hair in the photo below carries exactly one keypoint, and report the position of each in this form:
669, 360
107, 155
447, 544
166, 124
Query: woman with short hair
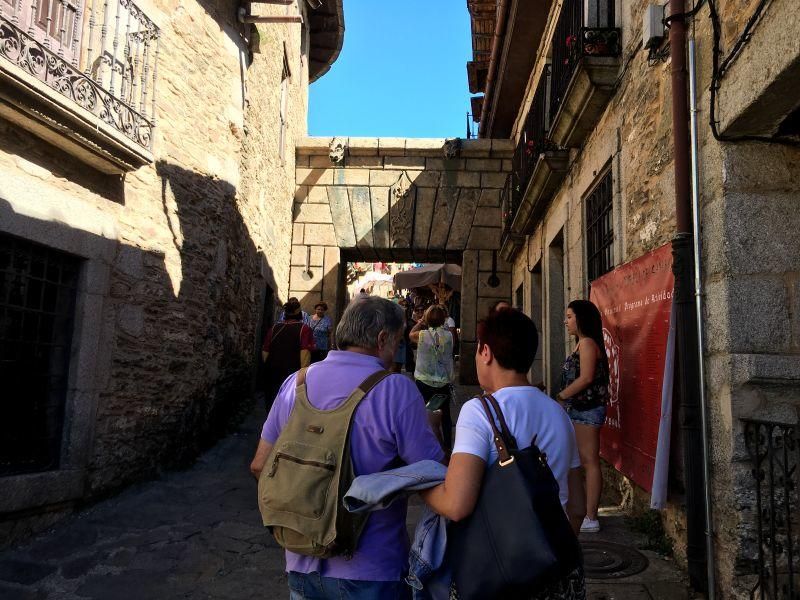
503, 358
322, 328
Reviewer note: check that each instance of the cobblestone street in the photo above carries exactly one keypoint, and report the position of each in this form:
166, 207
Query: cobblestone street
197, 534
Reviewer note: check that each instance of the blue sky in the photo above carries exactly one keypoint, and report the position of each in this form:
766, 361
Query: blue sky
401, 73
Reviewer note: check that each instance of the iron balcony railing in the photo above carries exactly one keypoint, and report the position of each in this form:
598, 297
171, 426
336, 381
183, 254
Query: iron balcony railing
472, 127
533, 141
774, 452
100, 54
533, 138
580, 33
508, 203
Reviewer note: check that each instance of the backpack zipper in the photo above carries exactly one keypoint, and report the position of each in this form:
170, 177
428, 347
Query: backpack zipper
310, 463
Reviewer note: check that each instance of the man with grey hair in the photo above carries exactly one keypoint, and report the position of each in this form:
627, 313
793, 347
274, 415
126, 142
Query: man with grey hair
390, 427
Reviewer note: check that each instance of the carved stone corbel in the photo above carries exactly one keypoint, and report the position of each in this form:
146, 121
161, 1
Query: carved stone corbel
401, 211
338, 149
452, 148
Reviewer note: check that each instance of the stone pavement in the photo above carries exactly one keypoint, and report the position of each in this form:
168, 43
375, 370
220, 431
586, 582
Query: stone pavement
660, 580
197, 534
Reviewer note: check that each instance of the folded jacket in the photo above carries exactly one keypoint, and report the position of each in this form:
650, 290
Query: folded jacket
428, 576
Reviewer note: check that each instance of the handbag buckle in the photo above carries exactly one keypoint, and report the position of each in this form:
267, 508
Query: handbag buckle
507, 462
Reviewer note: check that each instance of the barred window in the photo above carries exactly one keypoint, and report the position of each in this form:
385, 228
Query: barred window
37, 304
600, 228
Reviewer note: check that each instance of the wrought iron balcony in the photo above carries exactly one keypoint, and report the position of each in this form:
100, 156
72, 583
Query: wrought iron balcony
533, 139
472, 127
99, 57
509, 203
539, 165
586, 47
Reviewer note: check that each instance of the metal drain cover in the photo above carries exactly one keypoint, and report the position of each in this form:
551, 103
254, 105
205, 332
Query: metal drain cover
606, 560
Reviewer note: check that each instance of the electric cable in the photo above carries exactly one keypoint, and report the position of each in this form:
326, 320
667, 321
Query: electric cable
720, 66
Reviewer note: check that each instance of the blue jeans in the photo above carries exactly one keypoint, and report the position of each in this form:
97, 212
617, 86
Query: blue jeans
311, 586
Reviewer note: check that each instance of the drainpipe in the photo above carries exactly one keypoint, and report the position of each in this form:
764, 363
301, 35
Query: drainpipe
494, 59
687, 363
698, 305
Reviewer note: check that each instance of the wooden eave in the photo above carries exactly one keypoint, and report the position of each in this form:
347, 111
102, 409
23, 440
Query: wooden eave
523, 35
483, 17
326, 29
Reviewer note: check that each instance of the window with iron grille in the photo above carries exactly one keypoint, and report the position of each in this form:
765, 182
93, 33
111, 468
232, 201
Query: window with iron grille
600, 228
37, 304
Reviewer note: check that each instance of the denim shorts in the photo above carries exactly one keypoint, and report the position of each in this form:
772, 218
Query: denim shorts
594, 417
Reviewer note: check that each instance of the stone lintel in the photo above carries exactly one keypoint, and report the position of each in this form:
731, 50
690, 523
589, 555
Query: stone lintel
313, 145
424, 146
392, 146
362, 146
411, 147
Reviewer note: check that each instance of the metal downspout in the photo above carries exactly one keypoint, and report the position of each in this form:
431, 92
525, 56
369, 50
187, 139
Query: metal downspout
687, 359
494, 59
698, 295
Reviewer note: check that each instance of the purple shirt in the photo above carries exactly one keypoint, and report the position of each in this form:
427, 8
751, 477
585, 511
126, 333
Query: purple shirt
390, 425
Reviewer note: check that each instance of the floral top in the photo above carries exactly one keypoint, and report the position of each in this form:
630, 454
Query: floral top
593, 396
434, 357
322, 331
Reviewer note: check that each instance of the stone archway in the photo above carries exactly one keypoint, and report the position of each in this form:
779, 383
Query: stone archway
401, 200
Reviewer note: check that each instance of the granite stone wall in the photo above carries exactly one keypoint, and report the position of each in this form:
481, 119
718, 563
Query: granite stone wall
190, 245
749, 244
401, 200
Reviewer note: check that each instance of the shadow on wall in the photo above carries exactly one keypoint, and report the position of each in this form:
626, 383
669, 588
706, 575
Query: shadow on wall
196, 338
179, 330
48, 161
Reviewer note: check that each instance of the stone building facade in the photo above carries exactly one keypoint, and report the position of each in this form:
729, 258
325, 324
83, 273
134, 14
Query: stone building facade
595, 114
402, 200
146, 185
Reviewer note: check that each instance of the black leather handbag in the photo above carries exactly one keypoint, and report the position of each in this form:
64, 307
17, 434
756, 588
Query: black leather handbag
518, 540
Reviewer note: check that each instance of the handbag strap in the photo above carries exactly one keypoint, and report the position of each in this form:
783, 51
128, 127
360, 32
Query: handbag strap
504, 457
511, 441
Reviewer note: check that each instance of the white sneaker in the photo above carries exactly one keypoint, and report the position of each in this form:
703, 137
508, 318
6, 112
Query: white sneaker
590, 525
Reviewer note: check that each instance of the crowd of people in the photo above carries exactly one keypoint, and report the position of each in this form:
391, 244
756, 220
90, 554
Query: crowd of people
400, 421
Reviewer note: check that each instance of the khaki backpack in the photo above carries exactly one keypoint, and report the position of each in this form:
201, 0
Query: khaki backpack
307, 473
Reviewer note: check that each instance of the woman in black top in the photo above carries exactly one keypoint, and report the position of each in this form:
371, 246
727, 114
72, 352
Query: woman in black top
584, 387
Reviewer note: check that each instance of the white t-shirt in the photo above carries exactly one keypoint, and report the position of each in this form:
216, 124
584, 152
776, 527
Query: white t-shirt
528, 411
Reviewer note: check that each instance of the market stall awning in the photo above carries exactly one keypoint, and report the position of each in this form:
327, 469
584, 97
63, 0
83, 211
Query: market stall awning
426, 275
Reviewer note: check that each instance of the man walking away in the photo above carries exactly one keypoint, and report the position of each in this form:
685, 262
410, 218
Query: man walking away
390, 427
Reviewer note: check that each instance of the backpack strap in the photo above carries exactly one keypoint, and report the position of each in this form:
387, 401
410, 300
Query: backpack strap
504, 457
301, 393
365, 386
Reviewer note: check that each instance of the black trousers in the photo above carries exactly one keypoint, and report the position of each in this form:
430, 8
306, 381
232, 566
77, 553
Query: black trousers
428, 392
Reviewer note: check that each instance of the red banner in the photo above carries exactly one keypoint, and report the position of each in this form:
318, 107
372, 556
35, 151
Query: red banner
635, 301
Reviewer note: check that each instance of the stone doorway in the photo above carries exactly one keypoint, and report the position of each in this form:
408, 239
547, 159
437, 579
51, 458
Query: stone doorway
401, 200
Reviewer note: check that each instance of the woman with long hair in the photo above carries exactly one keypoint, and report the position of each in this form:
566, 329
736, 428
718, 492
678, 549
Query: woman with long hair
434, 371
584, 387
